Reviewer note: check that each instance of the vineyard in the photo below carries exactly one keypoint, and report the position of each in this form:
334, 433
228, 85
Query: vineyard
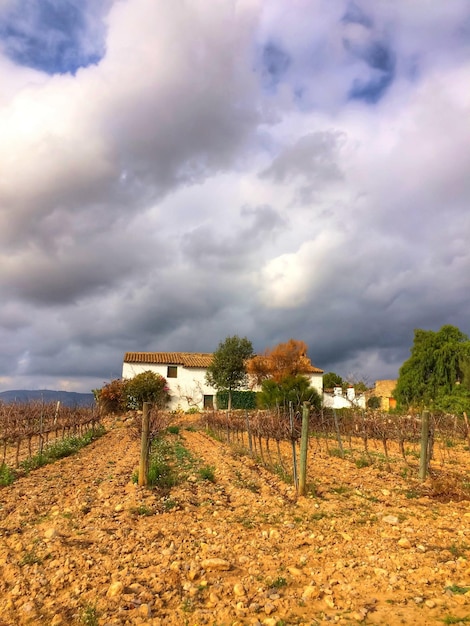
220, 534
26, 429
389, 442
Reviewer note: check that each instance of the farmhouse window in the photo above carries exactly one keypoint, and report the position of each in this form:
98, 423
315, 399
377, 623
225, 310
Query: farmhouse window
208, 402
172, 371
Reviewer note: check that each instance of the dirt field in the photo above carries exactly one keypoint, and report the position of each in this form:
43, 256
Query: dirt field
80, 543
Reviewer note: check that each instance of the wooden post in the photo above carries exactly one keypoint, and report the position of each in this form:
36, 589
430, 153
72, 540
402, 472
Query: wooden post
248, 429
423, 459
303, 450
294, 452
338, 434
144, 448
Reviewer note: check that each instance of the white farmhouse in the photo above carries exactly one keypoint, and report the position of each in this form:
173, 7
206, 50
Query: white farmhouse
338, 400
185, 373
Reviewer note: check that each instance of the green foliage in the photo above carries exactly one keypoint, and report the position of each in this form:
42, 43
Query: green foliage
89, 616
439, 361
61, 449
331, 380
457, 402
240, 399
207, 473
147, 387
374, 402
7, 475
227, 372
295, 389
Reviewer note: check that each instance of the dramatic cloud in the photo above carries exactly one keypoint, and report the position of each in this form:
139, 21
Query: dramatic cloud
173, 173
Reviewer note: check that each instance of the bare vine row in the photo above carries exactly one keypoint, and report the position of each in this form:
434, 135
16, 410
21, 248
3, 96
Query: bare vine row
32, 425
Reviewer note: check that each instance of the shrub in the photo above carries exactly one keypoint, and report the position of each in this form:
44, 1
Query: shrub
112, 397
147, 387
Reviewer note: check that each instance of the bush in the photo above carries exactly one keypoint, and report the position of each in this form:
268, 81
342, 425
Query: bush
295, 389
112, 397
374, 403
147, 387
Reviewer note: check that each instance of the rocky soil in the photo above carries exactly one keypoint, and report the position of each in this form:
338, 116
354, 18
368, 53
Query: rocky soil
80, 543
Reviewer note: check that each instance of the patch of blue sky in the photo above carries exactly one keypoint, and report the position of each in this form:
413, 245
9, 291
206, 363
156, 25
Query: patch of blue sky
53, 36
381, 61
355, 15
274, 63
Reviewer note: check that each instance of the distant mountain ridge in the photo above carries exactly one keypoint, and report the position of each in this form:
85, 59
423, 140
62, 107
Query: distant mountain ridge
67, 398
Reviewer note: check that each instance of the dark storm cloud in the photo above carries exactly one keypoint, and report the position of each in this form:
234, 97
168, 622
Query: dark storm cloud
207, 249
245, 168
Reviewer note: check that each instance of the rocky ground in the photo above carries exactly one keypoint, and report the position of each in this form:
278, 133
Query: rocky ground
80, 543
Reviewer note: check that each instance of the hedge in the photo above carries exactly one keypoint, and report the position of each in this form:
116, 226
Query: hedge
240, 399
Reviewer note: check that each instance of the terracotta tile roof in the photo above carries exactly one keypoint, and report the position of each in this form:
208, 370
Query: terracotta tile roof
188, 359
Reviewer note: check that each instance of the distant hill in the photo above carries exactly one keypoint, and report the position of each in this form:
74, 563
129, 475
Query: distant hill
66, 398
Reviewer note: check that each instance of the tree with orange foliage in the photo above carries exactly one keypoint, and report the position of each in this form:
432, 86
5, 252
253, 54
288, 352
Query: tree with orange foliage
285, 359
283, 373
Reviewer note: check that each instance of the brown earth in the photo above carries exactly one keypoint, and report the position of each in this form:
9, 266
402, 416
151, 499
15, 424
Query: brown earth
80, 543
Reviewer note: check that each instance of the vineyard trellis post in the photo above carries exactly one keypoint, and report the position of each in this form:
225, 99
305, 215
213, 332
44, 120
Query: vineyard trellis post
424, 455
303, 449
145, 448
294, 452
338, 434
248, 430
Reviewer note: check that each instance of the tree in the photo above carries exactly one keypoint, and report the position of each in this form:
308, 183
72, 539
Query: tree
285, 359
147, 387
438, 365
331, 380
227, 372
296, 389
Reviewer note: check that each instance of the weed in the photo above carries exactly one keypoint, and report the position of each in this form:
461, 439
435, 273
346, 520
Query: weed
160, 474
449, 443
207, 473
61, 449
337, 452
316, 517
193, 410
7, 475
89, 616
30, 558
411, 494
459, 551
187, 606
190, 429
452, 619
363, 461
169, 503
283, 474
173, 430
279, 582
458, 590
142, 509
341, 490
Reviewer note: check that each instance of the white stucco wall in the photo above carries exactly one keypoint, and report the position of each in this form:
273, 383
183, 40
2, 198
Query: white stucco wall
316, 380
187, 389
336, 401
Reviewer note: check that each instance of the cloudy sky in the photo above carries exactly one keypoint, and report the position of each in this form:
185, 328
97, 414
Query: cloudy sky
172, 173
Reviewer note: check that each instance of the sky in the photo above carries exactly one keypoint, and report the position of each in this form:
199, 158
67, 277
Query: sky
173, 173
